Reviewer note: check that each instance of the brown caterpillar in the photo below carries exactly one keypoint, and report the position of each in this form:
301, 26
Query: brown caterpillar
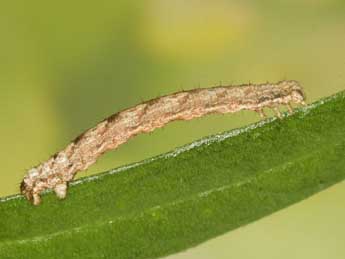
145, 117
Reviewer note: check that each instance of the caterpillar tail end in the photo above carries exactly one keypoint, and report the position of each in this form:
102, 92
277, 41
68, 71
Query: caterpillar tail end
30, 194
34, 197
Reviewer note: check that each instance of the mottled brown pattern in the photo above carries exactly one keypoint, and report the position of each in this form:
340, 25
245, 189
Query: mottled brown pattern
145, 117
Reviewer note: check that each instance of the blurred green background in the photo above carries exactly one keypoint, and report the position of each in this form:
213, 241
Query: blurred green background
65, 65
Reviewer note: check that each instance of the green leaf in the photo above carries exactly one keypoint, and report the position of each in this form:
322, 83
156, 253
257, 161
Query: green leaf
178, 200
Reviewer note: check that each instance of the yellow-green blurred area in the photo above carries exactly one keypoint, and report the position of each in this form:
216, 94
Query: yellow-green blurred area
66, 65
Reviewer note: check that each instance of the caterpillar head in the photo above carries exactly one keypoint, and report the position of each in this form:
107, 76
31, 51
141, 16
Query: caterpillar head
294, 91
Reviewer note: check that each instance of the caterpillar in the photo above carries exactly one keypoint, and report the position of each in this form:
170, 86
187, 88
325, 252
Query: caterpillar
110, 133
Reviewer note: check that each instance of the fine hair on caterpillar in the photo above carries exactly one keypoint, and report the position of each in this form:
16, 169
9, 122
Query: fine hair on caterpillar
117, 129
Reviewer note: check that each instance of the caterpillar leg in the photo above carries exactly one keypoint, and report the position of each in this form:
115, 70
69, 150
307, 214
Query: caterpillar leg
36, 199
261, 113
61, 190
289, 108
277, 112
